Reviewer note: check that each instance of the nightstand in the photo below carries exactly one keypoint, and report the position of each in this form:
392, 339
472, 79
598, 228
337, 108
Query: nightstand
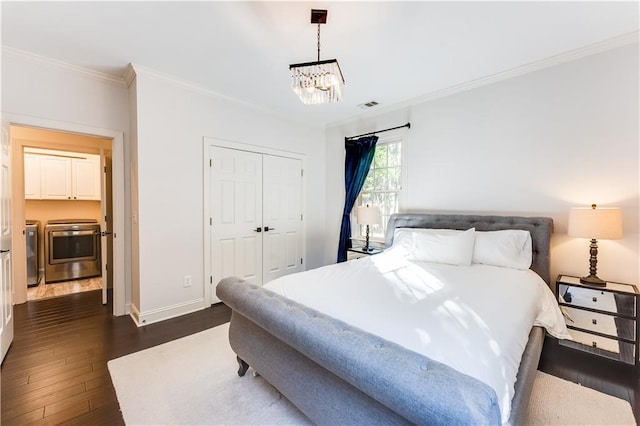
358, 252
601, 320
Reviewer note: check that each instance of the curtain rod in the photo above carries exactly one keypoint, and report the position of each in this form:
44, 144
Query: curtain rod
408, 126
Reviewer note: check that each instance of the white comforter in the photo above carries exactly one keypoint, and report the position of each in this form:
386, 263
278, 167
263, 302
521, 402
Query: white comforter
475, 318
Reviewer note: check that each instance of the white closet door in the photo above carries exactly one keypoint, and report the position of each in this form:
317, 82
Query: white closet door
236, 214
282, 216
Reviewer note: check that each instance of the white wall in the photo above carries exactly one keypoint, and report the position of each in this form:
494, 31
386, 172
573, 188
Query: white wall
536, 144
40, 88
46, 91
172, 120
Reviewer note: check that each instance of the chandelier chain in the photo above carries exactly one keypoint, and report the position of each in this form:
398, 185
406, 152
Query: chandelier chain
318, 42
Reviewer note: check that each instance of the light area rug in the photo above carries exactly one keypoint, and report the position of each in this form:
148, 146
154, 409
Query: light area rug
194, 381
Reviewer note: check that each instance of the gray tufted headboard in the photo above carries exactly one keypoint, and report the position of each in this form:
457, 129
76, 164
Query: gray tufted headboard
540, 228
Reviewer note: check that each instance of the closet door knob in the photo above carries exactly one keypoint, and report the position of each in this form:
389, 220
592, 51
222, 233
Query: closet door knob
258, 229
267, 229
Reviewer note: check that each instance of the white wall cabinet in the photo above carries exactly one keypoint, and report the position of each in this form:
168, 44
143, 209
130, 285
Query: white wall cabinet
62, 176
32, 176
85, 178
55, 178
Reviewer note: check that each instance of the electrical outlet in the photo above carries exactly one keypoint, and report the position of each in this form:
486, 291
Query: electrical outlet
186, 282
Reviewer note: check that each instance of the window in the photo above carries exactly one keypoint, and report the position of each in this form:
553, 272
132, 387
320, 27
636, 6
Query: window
383, 185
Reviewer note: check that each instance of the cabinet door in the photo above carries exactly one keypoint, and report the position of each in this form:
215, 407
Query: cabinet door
55, 178
86, 178
32, 176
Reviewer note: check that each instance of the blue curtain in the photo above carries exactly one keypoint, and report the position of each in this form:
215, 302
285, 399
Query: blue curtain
358, 157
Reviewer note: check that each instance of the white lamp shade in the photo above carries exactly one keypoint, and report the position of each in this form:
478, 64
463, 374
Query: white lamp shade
368, 215
597, 223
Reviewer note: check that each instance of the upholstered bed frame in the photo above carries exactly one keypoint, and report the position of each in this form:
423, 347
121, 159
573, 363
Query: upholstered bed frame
338, 374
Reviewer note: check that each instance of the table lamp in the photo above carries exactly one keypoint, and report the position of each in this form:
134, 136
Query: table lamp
368, 215
595, 223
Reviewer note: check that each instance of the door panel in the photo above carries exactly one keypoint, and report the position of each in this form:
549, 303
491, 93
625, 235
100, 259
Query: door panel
6, 288
87, 177
282, 186
55, 175
227, 257
106, 233
235, 187
256, 215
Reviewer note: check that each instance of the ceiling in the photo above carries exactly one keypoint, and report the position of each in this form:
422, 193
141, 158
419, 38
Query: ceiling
390, 52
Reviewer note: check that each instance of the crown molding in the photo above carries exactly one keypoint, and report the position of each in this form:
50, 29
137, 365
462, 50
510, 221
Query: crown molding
136, 69
193, 87
591, 49
85, 72
129, 74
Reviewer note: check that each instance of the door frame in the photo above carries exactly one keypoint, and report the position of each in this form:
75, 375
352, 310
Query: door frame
118, 176
207, 142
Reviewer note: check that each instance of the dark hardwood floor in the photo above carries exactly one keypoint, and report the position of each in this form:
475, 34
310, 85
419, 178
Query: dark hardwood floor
56, 369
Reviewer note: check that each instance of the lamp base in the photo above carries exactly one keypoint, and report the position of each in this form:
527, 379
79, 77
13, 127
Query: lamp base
593, 280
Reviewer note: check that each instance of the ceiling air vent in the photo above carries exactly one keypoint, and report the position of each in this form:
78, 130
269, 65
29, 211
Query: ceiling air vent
368, 105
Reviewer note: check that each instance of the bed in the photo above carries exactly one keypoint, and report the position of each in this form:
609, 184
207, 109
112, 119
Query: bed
338, 369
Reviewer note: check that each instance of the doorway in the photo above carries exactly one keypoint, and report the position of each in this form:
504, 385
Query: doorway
65, 209
108, 146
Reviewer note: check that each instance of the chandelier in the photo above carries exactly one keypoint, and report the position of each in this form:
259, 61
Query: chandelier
321, 81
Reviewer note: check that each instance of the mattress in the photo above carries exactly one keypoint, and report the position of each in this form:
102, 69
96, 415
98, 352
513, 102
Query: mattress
476, 319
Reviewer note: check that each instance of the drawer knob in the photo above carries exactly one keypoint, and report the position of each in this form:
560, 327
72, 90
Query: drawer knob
594, 344
595, 299
594, 321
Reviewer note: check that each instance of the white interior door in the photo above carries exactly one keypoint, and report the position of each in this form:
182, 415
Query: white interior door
236, 214
6, 288
282, 216
106, 232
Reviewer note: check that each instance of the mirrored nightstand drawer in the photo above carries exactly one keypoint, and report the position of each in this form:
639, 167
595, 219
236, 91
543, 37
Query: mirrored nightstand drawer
615, 327
609, 348
616, 303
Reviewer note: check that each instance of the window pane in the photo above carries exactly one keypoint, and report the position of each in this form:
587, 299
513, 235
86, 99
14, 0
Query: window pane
394, 177
380, 157
375, 231
366, 198
382, 187
380, 179
394, 154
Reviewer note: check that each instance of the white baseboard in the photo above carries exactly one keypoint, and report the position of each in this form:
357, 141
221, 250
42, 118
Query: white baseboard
156, 315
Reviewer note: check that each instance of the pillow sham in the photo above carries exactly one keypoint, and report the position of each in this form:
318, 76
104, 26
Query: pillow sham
402, 240
436, 245
510, 248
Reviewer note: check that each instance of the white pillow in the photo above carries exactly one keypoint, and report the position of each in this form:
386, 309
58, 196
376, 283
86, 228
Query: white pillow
403, 240
509, 248
436, 245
